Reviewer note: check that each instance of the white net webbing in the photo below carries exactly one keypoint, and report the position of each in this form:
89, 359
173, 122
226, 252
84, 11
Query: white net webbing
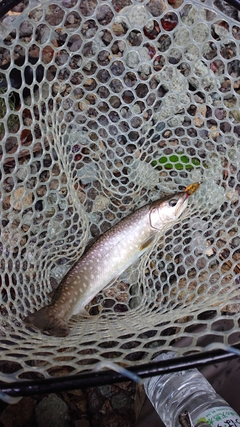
104, 106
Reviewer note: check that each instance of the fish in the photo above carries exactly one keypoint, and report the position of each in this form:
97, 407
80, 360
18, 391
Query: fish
106, 260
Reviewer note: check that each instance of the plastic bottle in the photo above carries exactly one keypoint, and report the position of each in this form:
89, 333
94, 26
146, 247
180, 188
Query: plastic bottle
174, 394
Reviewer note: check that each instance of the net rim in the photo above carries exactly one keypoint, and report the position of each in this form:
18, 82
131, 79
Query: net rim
94, 379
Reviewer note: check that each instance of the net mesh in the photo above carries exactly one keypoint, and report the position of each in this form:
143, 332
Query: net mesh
104, 107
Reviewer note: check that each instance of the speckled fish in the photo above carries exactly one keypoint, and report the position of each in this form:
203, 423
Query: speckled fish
106, 259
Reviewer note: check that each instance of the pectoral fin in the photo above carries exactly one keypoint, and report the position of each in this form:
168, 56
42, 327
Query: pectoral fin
147, 243
83, 312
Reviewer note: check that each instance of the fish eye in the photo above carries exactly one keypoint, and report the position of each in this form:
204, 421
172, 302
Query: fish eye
172, 202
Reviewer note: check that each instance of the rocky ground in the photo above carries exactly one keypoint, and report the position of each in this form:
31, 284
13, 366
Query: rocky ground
106, 406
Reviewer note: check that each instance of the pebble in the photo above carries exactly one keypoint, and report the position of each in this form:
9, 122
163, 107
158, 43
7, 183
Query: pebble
100, 203
22, 172
19, 414
21, 198
86, 174
59, 271
220, 30
132, 59
52, 411
26, 29
137, 15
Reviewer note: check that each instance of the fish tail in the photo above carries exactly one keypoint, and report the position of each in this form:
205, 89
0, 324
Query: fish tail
44, 320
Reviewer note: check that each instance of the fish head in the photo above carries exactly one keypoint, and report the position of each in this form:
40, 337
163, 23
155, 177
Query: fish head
168, 209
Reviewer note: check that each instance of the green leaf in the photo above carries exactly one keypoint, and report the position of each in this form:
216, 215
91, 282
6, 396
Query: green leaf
176, 161
173, 158
163, 160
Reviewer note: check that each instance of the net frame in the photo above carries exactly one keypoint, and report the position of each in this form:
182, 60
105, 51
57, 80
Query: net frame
23, 198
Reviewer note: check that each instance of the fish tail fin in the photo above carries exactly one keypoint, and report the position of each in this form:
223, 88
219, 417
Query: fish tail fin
44, 320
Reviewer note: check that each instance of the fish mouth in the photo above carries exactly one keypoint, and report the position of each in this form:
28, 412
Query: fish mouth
183, 203
184, 196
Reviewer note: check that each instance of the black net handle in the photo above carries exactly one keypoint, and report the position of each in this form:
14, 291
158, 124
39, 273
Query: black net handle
93, 379
234, 3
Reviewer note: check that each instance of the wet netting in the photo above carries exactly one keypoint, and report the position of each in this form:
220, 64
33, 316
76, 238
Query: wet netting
104, 107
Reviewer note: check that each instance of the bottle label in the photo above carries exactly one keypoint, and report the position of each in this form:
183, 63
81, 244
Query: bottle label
221, 416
